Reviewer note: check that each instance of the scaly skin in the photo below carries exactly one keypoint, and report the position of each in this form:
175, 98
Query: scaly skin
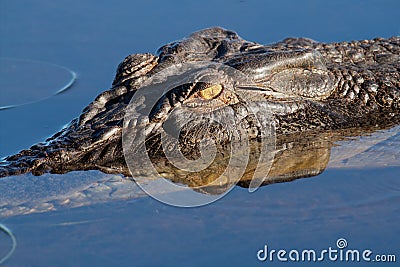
310, 85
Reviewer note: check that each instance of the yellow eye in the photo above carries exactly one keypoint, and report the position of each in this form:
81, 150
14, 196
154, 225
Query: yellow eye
211, 92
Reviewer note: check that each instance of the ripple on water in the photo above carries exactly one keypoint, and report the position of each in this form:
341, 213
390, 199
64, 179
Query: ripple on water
24, 81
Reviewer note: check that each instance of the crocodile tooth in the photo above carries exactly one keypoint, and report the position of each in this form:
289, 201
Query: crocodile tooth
351, 95
372, 88
356, 89
366, 98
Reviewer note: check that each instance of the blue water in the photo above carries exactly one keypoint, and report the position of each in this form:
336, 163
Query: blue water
91, 38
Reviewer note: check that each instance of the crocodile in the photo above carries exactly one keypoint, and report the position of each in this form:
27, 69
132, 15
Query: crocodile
300, 84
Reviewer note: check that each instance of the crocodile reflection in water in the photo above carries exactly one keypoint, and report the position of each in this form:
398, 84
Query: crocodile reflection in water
302, 156
296, 156
308, 86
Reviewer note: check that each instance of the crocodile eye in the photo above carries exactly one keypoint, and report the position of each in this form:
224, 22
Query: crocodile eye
211, 92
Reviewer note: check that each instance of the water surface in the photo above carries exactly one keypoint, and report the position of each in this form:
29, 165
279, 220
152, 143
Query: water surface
359, 204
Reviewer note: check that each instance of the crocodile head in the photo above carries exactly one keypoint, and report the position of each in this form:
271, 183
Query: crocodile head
211, 94
208, 97
216, 86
